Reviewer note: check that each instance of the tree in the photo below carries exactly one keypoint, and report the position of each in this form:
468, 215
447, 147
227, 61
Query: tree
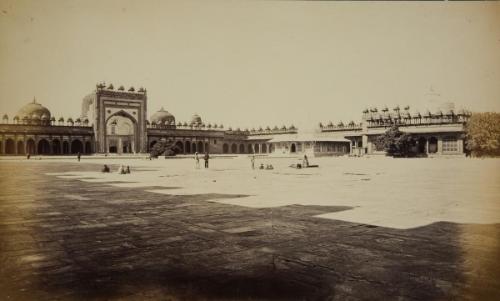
395, 143
482, 134
163, 147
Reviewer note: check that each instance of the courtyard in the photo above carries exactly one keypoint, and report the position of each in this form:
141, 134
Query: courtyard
351, 229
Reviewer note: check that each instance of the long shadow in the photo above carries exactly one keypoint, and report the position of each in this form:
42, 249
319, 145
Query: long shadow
189, 248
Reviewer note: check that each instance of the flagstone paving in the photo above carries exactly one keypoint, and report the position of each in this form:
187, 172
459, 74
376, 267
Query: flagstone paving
64, 239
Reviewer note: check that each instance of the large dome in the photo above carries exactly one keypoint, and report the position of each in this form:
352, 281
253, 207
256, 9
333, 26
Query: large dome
162, 117
196, 119
34, 110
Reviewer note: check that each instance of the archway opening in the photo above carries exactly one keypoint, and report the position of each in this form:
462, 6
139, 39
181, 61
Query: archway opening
293, 148
188, 147
264, 148
76, 146
88, 147
200, 147
225, 148
121, 129
193, 147
9, 147
421, 145
234, 148
43, 147
256, 148
242, 149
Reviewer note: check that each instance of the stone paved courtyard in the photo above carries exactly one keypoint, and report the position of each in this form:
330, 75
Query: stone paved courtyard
82, 237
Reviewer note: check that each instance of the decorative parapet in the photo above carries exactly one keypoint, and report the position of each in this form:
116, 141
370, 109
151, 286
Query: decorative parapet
330, 127
79, 122
130, 93
374, 118
274, 131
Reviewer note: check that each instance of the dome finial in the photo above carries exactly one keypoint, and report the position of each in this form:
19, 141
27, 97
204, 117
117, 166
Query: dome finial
34, 99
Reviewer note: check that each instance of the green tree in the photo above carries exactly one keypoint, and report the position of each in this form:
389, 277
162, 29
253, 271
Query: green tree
482, 134
395, 143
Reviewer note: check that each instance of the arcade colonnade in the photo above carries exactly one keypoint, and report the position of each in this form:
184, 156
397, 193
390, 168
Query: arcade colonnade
435, 144
45, 145
200, 145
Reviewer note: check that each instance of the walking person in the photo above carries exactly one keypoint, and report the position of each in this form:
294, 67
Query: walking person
78, 156
253, 161
206, 158
197, 159
28, 156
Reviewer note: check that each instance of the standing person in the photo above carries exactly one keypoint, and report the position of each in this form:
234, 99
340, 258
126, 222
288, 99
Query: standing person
305, 162
197, 159
253, 161
128, 169
78, 156
206, 157
28, 156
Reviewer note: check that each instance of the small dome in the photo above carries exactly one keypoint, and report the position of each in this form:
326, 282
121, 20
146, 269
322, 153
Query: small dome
53, 118
45, 117
162, 117
33, 110
16, 117
196, 119
5, 116
61, 119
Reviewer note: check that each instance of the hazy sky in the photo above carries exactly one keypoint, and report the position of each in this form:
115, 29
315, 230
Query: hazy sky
252, 64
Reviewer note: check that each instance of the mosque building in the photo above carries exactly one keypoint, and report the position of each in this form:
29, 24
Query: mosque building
116, 121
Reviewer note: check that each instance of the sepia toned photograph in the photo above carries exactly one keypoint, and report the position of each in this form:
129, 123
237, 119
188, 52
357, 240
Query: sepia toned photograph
249, 150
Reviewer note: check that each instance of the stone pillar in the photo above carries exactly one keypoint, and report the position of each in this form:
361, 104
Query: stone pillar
15, 146
427, 146
70, 142
460, 145
35, 150
440, 145
120, 146
3, 144
51, 145
364, 143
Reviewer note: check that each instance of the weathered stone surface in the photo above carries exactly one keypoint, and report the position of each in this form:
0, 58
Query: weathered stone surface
63, 239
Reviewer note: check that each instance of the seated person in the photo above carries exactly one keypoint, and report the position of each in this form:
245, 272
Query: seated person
269, 167
261, 166
105, 168
128, 169
121, 170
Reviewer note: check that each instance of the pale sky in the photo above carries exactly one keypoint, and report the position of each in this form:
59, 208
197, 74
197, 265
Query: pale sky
252, 63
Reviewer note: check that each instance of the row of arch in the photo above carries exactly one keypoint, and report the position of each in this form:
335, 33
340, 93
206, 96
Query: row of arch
44, 147
191, 147
256, 148
187, 147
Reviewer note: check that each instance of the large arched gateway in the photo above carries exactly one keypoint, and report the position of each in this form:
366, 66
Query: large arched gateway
121, 133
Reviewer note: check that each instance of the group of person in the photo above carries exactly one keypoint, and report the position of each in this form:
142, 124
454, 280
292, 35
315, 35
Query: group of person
206, 157
268, 166
121, 170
